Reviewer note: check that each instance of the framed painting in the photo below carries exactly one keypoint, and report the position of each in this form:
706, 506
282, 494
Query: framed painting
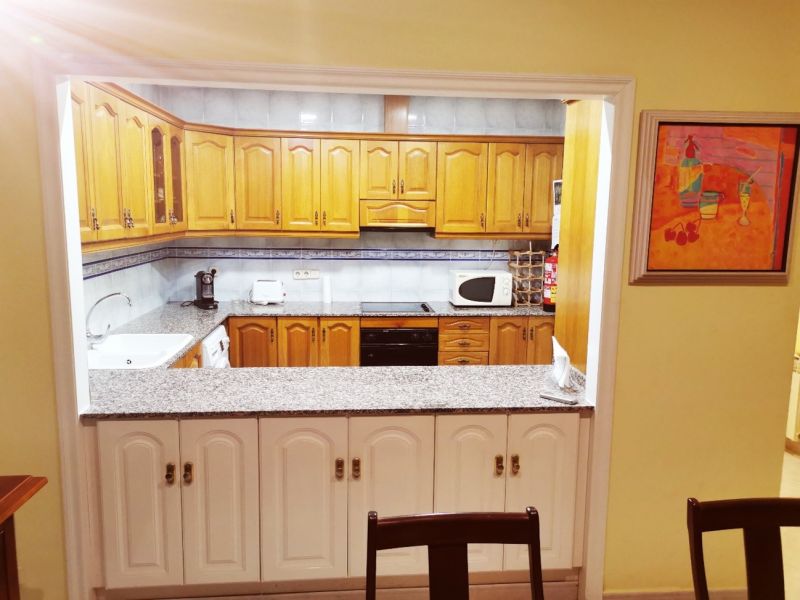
715, 194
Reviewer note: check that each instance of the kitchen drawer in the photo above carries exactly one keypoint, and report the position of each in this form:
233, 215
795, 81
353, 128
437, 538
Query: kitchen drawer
463, 358
398, 213
454, 324
475, 342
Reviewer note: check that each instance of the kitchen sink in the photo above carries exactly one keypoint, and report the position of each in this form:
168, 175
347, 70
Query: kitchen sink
136, 350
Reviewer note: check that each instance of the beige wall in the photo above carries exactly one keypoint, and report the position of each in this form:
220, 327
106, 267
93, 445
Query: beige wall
703, 373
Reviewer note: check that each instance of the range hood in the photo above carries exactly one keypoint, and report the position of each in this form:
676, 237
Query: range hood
400, 215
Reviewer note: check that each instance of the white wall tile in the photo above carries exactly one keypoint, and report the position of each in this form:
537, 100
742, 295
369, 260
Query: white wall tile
373, 112
252, 108
283, 110
347, 112
219, 106
186, 103
500, 115
315, 111
440, 115
470, 115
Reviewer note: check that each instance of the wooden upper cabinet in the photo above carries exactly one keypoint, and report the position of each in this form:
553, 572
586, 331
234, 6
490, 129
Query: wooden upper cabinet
300, 183
340, 342
210, 181
105, 167
461, 187
378, 170
504, 200
339, 185
508, 341
253, 341
258, 183
134, 138
297, 342
160, 182
540, 340
417, 171
177, 172
80, 130
543, 165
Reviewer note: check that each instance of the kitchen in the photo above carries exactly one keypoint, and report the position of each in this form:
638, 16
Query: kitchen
364, 276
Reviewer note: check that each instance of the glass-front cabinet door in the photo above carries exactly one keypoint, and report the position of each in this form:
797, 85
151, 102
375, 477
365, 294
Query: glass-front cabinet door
177, 217
159, 140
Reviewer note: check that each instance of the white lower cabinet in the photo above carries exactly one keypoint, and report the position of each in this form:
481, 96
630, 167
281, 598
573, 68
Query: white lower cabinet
239, 500
303, 498
220, 500
470, 474
179, 501
391, 472
546, 449
140, 503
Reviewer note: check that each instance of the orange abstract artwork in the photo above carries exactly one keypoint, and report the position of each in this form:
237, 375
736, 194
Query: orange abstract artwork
722, 197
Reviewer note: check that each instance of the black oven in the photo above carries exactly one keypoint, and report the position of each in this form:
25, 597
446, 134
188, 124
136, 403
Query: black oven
399, 347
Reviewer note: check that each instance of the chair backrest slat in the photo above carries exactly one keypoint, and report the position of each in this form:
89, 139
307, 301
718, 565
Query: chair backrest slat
761, 520
447, 536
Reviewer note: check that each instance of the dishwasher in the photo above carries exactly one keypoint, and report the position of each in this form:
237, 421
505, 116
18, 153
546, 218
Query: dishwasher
216, 348
399, 347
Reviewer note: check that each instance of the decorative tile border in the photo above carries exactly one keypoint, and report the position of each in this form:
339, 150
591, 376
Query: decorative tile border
105, 266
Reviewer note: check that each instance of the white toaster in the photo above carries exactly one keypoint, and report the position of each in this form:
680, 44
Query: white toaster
267, 291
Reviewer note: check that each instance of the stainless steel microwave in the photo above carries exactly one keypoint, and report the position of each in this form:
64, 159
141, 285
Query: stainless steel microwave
480, 288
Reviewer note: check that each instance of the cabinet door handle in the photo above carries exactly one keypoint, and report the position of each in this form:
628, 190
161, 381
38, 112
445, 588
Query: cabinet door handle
356, 468
324, 217
519, 220
527, 220
394, 186
313, 334
339, 468
316, 217
169, 476
402, 186
277, 217
524, 334
483, 220
188, 473
530, 335
271, 334
324, 334
498, 465
95, 222
514, 464
463, 325
463, 361
233, 220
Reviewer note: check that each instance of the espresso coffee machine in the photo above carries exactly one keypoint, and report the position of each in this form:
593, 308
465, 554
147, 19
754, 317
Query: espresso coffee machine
204, 295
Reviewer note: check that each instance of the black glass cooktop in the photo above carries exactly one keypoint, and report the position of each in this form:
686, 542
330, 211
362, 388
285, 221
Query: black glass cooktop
395, 307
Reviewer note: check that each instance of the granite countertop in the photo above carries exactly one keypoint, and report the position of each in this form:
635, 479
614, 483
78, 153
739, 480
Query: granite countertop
163, 392
351, 391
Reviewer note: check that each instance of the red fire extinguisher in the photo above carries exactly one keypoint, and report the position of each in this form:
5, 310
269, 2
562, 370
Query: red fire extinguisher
550, 286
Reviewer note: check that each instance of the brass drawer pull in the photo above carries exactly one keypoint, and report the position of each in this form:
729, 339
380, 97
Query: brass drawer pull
483, 220
271, 335
514, 464
169, 476
316, 217
324, 330
519, 221
277, 217
313, 334
188, 473
524, 334
530, 335
402, 186
233, 220
463, 325
464, 343
463, 361
356, 468
498, 465
394, 186
339, 468
527, 220
324, 217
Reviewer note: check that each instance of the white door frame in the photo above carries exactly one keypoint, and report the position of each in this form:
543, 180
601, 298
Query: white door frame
618, 93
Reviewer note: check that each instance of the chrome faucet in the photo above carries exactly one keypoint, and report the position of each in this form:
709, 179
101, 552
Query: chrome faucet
97, 338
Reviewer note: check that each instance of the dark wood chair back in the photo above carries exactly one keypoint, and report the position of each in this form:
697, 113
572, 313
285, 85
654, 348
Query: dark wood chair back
447, 536
761, 520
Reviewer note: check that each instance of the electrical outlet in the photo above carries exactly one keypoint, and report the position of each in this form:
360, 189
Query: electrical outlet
306, 274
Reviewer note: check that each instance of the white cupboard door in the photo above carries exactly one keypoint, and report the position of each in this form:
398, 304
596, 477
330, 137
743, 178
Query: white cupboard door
547, 447
219, 479
141, 508
469, 475
391, 472
303, 498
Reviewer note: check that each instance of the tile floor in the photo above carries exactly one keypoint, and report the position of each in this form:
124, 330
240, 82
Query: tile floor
790, 486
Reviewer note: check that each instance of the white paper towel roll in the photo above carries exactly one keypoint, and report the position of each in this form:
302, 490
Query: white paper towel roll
326, 289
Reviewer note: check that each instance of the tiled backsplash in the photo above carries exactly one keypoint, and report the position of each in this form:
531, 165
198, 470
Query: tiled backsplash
377, 266
264, 109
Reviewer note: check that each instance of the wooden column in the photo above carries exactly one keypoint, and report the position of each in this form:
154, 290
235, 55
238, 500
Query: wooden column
395, 114
578, 200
